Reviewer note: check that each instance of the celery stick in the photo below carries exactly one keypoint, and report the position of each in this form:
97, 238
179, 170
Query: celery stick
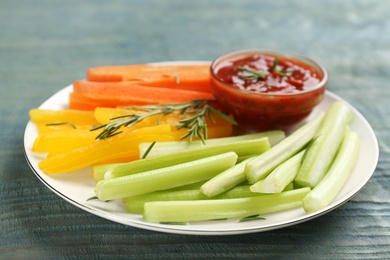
99, 170
243, 158
280, 177
290, 186
191, 186
135, 204
164, 178
200, 210
241, 191
262, 165
225, 180
329, 187
162, 148
326, 141
242, 148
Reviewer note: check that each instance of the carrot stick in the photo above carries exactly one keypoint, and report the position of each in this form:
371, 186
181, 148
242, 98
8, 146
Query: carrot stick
112, 94
81, 102
181, 76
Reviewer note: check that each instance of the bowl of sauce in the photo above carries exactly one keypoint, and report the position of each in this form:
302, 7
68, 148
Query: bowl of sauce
267, 89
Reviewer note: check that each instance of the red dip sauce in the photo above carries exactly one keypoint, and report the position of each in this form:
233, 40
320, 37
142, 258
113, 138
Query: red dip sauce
266, 91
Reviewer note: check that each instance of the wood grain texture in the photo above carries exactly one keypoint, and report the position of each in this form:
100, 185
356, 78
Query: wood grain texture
45, 45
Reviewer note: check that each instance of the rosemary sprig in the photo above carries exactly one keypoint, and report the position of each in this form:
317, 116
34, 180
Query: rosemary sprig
250, 218
196, 124
274, 64
282, 71
148, 150
261, 74
285, 72
254, 74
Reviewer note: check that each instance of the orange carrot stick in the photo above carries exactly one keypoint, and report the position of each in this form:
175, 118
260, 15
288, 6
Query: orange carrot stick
175, 76
81, 102
112, 94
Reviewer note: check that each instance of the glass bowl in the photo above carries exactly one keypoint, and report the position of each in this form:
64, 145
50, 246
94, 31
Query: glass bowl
256, 108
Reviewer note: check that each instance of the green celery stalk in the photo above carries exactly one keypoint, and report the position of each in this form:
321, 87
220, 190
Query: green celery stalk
164, 178
242, 148
226, 180
241, 191
201, 210
163, 148
99, 170
329, 187
135, 204
326, 142
290, 186
280, 177
191, 186
262, 165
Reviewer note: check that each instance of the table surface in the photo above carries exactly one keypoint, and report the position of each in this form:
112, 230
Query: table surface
45, 45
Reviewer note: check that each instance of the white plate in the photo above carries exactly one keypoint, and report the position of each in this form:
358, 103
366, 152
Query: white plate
77, 187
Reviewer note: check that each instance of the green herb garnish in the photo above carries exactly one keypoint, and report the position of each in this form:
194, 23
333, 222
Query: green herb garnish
261, 74
254, 74
285, 72
173, 223
274, 64
148, 150
250, 218
196, 124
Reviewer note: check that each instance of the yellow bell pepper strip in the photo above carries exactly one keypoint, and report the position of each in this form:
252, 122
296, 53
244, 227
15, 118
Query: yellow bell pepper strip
48, 116
105, 151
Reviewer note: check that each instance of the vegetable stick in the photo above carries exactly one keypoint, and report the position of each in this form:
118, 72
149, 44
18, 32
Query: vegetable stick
280, 177
66, 116
82, 102
105, 115
325, 144
162, 148
226, 180
243, 148
62, 140
189, 77
329, 186
202, 210
135, 204
104, 151
260, 167
49, 128
164, 178
113, 94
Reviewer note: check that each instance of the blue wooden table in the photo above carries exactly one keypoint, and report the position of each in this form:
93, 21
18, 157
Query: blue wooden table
47, 44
